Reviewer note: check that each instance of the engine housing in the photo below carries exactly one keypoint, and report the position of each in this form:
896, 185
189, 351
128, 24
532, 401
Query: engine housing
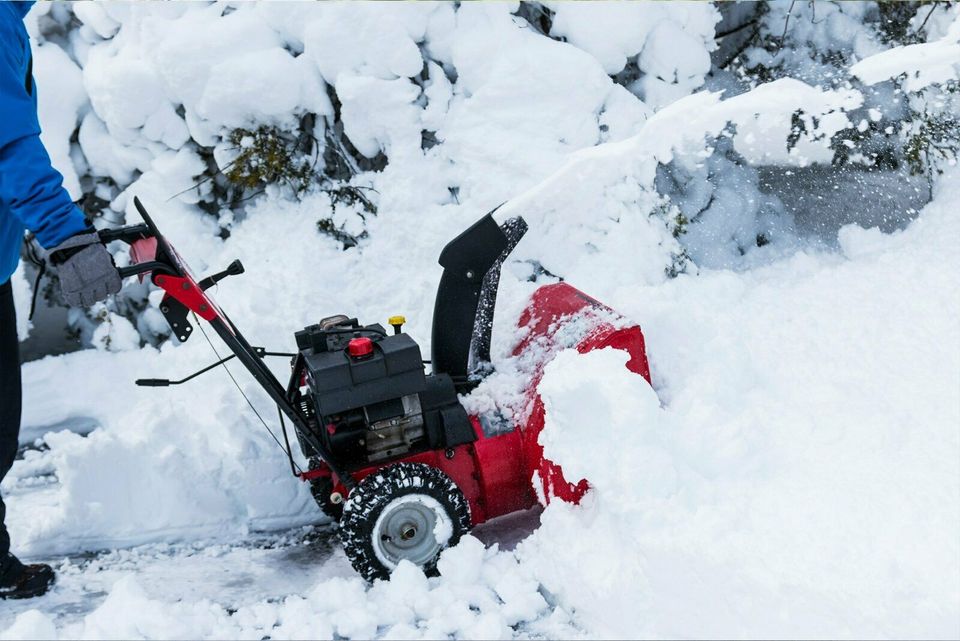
379, 405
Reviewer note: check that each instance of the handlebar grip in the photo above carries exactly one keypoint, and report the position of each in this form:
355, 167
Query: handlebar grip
134, 270
129, 234
143, 268
152, 382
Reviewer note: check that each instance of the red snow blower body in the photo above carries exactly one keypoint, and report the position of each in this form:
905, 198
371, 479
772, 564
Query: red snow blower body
393, 454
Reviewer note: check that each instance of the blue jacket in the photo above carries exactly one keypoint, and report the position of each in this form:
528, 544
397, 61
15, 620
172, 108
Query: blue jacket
31, 190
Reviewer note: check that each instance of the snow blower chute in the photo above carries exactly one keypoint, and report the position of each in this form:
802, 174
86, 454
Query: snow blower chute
393, 455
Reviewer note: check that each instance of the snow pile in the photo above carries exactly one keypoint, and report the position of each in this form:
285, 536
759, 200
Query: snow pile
481, 597
763, 499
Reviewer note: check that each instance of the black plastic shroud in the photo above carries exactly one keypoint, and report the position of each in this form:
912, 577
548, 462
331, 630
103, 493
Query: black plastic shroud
466, 297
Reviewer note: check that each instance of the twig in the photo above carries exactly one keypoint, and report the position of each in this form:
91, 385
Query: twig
246, 198
743, 47
933, 7
786, 22
724, 34
813, 12
343, 153
195, 185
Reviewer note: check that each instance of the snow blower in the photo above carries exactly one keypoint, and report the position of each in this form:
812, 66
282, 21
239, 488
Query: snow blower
393, 455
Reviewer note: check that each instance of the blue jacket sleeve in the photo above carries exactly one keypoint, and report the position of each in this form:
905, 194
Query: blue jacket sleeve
34, 193
30, 188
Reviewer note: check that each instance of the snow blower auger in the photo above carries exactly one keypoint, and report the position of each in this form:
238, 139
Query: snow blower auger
392, 453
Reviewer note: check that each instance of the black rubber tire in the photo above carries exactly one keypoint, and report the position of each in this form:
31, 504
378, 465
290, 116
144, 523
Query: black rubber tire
321, 488
367, 501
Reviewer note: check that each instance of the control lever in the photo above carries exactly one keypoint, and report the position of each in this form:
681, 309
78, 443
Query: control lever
233, 269
165, 382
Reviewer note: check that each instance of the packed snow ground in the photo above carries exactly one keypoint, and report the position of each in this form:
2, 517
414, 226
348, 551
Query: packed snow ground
792, 473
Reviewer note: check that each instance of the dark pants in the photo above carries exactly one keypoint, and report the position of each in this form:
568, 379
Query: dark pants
9, 412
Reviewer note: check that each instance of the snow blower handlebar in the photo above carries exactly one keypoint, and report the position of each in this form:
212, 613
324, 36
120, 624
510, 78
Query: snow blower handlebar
155, 259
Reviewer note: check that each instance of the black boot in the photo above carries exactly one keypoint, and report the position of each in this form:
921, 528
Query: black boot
30, 581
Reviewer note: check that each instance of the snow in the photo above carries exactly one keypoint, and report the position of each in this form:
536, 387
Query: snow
379, 115
22, 295
32, 624
382, 42
791, 473
756, 481
115, 334
815, 498
923, 64
96, 16
59, 109
260, 85
601, 34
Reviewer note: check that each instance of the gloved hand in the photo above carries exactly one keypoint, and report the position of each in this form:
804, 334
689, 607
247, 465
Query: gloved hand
86, 269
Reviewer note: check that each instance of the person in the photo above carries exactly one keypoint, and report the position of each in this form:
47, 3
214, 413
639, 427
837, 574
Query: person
32, 198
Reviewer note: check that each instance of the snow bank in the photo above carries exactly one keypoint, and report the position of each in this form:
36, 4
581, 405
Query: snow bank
800, 480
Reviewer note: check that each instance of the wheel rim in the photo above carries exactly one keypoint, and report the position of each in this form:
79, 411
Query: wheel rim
414, 527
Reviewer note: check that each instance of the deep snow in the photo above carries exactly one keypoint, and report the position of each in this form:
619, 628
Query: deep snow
792, 473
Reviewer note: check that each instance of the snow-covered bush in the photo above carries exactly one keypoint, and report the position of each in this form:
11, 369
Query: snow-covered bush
265, 157
219, 105
898, 124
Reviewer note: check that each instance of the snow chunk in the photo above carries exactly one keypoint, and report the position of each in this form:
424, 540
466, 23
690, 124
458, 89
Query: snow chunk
116, 334
128, 613
94, 15
379, 42
615, 31
124, 90
675, 63
109, 157
619, 400
923, 64
251, 87
379, 115
185, 49
60, 97
514, 117
32, 624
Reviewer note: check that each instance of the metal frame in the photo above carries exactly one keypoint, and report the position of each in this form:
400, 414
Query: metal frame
167, 272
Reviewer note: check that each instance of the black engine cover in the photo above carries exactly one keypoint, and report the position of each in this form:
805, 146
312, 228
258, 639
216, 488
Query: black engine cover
381, 406
342, 383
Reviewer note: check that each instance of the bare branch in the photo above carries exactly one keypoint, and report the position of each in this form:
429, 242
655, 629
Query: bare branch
786, 23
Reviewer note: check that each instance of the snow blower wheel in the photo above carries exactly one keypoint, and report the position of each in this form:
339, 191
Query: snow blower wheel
407, 511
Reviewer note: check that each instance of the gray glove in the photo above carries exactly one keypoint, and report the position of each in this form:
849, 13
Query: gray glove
86, 269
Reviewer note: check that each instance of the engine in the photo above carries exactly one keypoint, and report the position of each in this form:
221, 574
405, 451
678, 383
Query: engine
368, 397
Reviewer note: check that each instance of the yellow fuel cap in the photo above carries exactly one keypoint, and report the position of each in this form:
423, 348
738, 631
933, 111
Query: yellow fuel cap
397, 322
